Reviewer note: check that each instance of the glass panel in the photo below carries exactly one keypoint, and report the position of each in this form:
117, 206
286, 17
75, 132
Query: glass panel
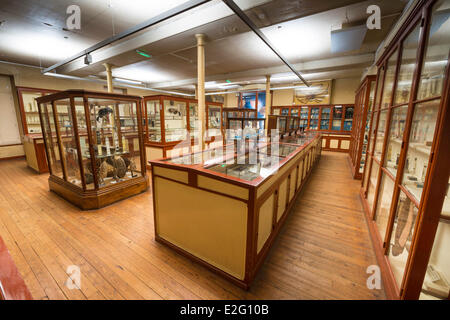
31, 111
304, 113
68, 142
348, 120
285, 111
437, 278
379, 86
384, 204
154, 120
52, 140
366, 128
193, 119
402, 232
380, 134
294, 112
116, 147
281, 124
389, 81
313, 124
419, 148
436, 55
261, 104
214, 119
407, 66
315, 113
337, 117
175, 120
394, 142
366, 174
249, 100
276, 111
372, 184
84, 143
325, 119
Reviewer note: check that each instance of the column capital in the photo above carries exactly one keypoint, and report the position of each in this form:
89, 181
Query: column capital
200, 39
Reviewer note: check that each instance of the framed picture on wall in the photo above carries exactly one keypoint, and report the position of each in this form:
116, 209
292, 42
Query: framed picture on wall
318, 93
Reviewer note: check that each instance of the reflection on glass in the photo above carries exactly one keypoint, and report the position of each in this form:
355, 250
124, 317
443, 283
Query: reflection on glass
68, 142
384, 203
175, 120
193, 119
84, 142
380, 134
325, 119
401, 236
261, 104
436, 284
407, 66
394, 142
373, 179
294, 112
154, 121
389, 81
53, 157
419, 148
436, 55
348, 120
337, 117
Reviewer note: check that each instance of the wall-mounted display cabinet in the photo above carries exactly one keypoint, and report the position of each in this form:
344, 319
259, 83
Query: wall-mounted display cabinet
286, 125
94, 146
33, 142
405, 187
230, 205
171, 125
334, 121
364, 99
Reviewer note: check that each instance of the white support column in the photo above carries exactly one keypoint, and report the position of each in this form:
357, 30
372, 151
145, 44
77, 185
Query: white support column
201, 88
268, 104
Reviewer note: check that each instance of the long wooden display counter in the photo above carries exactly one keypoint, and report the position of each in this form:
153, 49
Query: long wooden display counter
222, 209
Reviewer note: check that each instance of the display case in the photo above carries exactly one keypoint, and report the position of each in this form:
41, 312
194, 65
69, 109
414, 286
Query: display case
334, 121
364, 99
171, 125
230, 204
94, 146
241, 122
33, 143
286, 125
405, 187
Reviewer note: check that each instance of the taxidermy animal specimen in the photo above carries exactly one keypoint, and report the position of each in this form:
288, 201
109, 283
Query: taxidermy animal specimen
103, 112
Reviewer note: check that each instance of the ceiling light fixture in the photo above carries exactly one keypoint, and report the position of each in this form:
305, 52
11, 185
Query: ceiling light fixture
143, 53
87, 59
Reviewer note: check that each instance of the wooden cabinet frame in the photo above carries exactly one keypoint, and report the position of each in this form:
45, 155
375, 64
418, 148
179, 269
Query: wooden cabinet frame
361, 112
438, 169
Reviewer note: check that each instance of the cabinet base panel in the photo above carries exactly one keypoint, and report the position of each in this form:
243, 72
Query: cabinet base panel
95, 199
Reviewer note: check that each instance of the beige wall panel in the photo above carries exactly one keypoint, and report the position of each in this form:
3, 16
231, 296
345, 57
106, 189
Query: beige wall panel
207, 225
265, 222
345, 144
30, 155
343, 90
223, 187
11, 151
177, 175
300, 174
283, 97
292, 186
324, 143
334, 143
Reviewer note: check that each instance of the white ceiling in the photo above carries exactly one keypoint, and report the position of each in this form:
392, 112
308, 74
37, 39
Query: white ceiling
299, 29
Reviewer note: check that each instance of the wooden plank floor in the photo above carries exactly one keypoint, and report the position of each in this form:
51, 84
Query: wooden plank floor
321, 253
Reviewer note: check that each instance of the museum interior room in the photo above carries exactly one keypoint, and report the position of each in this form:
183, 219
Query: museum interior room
224, 150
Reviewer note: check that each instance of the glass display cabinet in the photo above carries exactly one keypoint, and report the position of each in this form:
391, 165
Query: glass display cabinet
405, 187
94, 146
334, 121
286, 125
251, 192
238, 121
364, 99
171, 125
33, 143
